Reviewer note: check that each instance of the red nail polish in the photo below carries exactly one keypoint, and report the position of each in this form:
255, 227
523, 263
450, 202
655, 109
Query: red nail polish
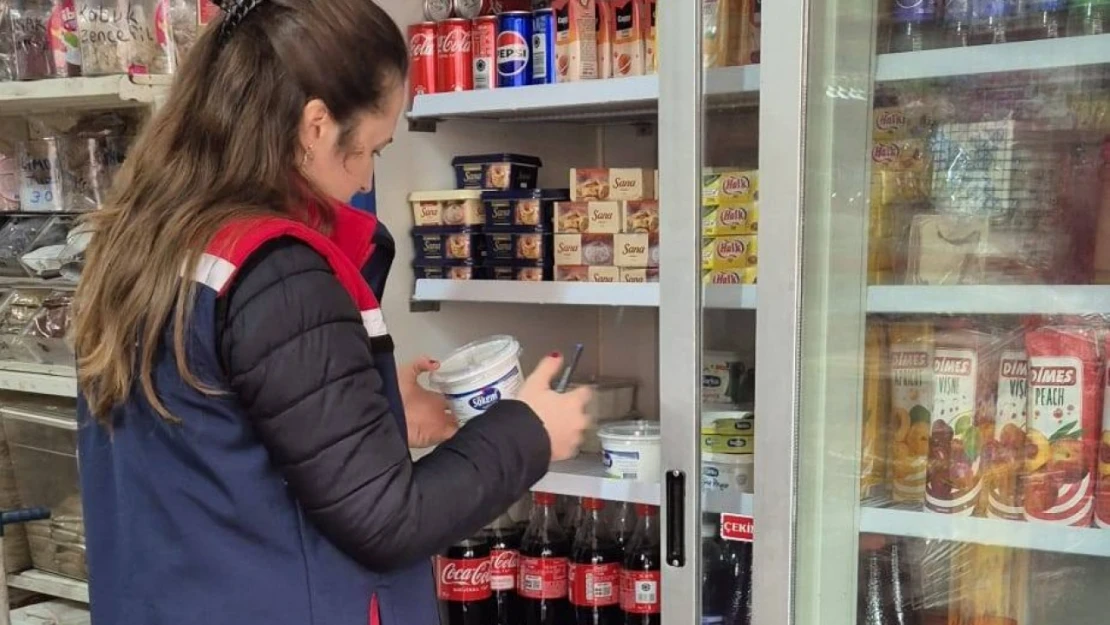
555, 354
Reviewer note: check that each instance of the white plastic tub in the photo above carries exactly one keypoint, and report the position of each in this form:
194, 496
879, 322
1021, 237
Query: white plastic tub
727, 474
479, 374
631, 450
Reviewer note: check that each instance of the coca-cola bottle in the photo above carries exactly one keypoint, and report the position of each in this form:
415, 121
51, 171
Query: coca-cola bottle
595, 568
714, 573
640, 579
623, 523
736, 546
542, 581
504, 548
463, 583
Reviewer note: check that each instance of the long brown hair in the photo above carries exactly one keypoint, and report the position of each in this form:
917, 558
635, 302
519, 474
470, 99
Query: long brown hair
225, 145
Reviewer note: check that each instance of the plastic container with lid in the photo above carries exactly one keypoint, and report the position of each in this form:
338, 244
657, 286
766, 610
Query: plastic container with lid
479, 374
724, 444
446, 208
496, 171
721, 373
519, 270
522, 243
526, 207
447, 243
449, 270
631, 450
727, 421
727, 474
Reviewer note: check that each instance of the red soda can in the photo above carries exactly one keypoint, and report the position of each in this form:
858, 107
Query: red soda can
454, 69
483, 47
422, 59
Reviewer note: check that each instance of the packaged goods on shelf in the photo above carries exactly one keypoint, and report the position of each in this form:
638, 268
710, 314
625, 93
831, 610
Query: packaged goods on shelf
730, 252
634, 250
629, 29
873, 469
727, 469
639, 275
34, 324
587, 273
651, 39
594, 217
447, 208
10, 175
730, 188
631, 449
452, 270
584, 249
724, 220
529, 243
721, 373
527, 207
448, 243
606, 24
22, 235
106, 38
729, 276
612, 184
496, 171
42, 437
641, 216
721, 31
576, 40
521, 271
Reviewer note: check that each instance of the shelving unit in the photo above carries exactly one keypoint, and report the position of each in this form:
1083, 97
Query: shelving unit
989, 299
51, 585
60, 381
585, 476
571, 293
1021, 535
635, 96
59, 94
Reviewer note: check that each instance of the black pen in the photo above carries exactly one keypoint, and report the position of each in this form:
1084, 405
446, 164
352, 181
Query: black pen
561, 386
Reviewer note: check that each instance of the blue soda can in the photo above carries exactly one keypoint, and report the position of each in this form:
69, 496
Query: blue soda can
543, 47
514, 49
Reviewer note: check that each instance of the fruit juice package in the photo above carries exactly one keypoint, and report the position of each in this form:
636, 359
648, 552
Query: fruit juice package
911, 405
1004, 455
1102, 487
964, 383
876, 427
1063, 422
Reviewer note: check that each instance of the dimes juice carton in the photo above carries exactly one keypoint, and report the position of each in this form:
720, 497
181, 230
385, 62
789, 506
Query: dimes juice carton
628, 37
751, 21
651, 42
575, 39
605, 24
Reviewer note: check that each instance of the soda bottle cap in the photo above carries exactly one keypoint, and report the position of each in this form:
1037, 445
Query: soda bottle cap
543, 499
591, 503
643, 509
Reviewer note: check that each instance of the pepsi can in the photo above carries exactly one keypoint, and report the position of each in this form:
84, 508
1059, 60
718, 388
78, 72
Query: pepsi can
514, 49
543, 47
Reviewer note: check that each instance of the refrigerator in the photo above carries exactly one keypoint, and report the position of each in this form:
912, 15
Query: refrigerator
912, 255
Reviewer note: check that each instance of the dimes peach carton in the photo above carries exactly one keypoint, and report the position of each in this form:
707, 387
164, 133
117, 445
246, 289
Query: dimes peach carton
612, 184
730, 252
575, 39
628, 37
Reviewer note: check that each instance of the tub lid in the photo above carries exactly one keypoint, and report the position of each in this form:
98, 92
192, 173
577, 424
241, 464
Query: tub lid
475, 360
631, 430
441, 196
725, 356
502, 157
527, 194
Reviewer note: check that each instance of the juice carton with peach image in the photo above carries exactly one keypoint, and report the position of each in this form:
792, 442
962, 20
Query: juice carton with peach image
1063, 423
911, 407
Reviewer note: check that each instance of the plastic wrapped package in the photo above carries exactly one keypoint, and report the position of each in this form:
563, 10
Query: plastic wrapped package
20, 235
40, 188
151, 38
106, 38
29, 21
45, 336
42, 437
7, 42
89, 164
10, 176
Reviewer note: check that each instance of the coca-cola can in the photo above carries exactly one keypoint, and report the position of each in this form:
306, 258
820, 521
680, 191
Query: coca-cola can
454, 68
469, 9
422, 59
437, 10
483, 49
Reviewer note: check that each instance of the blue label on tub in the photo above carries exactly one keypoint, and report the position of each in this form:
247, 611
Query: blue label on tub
485, 398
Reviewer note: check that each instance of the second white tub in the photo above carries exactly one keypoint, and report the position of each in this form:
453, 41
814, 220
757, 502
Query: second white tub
631, 450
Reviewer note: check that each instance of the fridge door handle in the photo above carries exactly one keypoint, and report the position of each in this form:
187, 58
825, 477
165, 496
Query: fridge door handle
675, 492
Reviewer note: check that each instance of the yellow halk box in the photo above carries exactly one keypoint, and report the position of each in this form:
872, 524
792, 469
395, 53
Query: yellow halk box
730, 252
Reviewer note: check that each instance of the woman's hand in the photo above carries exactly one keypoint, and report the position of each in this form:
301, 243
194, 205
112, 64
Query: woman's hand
426, 415
563, 414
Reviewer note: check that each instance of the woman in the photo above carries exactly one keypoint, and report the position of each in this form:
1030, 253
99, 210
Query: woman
243, 452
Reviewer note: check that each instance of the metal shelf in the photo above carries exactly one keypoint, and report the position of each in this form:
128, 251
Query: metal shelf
1017, 534
56, 94
990, 299
1045, 54
632, 97
39, 379
584, 476
570, 293
51, 585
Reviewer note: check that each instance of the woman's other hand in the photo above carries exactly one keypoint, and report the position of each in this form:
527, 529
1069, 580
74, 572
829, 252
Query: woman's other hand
563, 414
426, 416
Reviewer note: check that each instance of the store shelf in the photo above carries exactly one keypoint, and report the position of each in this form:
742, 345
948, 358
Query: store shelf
584, 476
570, 293
51, 585
79, 93
732, 504
631, 97
1045, 54
990, 299
39, 379
1017, 534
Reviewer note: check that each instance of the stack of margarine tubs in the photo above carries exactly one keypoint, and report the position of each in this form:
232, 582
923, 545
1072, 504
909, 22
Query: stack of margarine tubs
727, 451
